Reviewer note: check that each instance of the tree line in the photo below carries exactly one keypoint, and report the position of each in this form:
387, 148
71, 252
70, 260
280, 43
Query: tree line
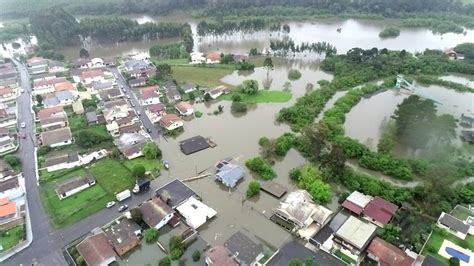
283, 47
228, 27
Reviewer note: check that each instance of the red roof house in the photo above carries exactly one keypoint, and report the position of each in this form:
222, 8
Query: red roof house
388, 254
380, 211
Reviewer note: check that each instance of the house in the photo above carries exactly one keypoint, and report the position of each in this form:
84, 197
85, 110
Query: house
50, 112
274, 189
188, 88
87, 77
299, 213
353, 237
467, 120
155, 213
155, 112
171, 122
142, 72
175, 193
7, 94
131, 144
292, 249
387, 254
184, 108
197, 58
62, 161
379, 211
96, 250
356, 202
12, 187
123, 235
113, 129
65, 86
97, 62
230, 174
54, 122
9, 83
126, 121
73, 185
216, 92
323, 238
213, 58
149, 96
133, 128
195, 212
8, 211
452, 54
245, 250
106, 95
240, 58
62, 98
7, 144
138, 82
77, 107
82, 63
37, 65
114, 103
169, 85
132, 63
56, 67
173, 95
57, 137
46, 86
453, 225
194, 144
116, 112
7, 116
220, 256
97, 86
92, 118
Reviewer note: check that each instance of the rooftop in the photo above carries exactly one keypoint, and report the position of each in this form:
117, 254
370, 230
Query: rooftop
9, 184
274, 188
195, 212
154, 211
72, 183
245, 249
380, 210
453, 223
388, 254
183, 106
192, 145
96, 249
62, 158
122, 233
230, 174
92, 117
175, 193
356, 202
7, 208
356, 232
56, 136
297, 207
48, 112
219, 256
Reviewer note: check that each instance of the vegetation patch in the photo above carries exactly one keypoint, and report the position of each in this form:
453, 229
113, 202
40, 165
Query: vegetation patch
294, 74
437, 238
261, 168
114, 181
262, 96
204, 76
11, 237
389, 33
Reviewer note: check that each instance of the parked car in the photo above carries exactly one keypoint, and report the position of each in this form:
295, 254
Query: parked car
148, 130
110, 204
22, 90
23, 135
128, 96
132, 104
23, 125
139, 113
123, 208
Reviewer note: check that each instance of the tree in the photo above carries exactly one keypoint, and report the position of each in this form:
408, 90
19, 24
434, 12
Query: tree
12, 160
250, 86
287, 86
39, 99
253, 189
294, 74
238, 107
136, 214
268, 64
88, 138
196, 255
253, 52
453, 261
164, 262
151, 151
335, 161
138, 171
83, 53
466, 48
163, 70
391, 234
150, 235
115, 154
176, 247
261, 167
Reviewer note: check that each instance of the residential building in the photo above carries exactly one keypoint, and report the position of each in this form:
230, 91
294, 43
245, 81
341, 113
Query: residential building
92, 118
46, 86
113, 129
188, 88
155, 213
13, 188
50, 112
114, 103
229, 174
173, 95
387, 254
245, 250
213, 58
138, 82
61, 98
7, 116
56, 66
97, 86
197, 58
82, 63
323, 238
171, 122
131, 144
8, 211
77, 107
54, 122
123, 235
155, 112
353, 237
195, 212
62, 161
89, 76
379, 211
13, 83
96, 250
220, 256
149, 96
194, 144
97, 62
116, 112
7, 144
184, 108
73, 185
7, 94
142, 72
110, 94
356, 202
453, 225
132, 63
240, 58
217, 91
57, 137
37, 65
65, 86
175, 193
133, 128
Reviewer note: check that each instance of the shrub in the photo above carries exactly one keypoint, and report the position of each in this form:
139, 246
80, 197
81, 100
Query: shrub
138, 170
261, 167
196, 255
236, 97
238, 107
197, 114
43, 150
150, 235
263, 141
389, 33
284, 143
151, 151
12, 160
164, 262
453, 261
294, 74
253, 189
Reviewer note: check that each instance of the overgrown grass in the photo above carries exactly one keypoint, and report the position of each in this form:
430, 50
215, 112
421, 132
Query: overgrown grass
11, 237
171, 62
77, 122
262, 96
436, 240
113, 175
46, 176
204, 76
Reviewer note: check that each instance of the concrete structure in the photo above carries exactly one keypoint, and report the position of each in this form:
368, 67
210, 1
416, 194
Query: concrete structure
356, 202
353, 237
73, 185
453, 225
96, 250
77, 107
57, 137
7, 144
131, 144
155, 213
155, 112
195, 212
149, 96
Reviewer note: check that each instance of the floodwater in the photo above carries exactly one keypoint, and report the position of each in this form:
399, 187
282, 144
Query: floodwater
467, 80
365, 125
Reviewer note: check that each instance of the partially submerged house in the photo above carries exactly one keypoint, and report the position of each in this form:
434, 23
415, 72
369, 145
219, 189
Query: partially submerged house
73, 185
195, 212
131, 144
96, 250
217, 91
155, 112
171, 122
175, 193
353, 237
123, 234
246, 251
220, 256
149, 96
229, 174
156, 213
193, 145
184, 108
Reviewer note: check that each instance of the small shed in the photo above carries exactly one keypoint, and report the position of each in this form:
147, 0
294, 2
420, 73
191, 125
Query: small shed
194, 144
77, 107
274, 189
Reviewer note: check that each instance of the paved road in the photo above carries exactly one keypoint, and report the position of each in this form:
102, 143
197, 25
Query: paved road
46, 248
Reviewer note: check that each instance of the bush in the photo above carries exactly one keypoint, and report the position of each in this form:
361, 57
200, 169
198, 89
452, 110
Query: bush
238, 107
197, 114
88, 138
284, 143
12, 160
253, 189
263, 141
196, 255
176, 247
236, 97
151, 151
250, 86
43, 150
260, 167
294, 74
246, 66
164, 262
138, 170
389, 33
150, 235
453, 261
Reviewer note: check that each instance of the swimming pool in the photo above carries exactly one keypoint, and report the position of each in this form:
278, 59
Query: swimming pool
458, 254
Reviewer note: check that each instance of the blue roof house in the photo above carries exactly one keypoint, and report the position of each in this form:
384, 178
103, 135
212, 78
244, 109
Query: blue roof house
230, 174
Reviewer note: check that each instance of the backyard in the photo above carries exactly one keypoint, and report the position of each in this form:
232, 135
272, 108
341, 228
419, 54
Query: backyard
11, 237
436, 240
116, 180
202, 76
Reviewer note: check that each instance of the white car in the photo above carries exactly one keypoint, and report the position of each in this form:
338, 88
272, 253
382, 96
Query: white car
110, 204
23, 125
139, 113
128, 96
22, 90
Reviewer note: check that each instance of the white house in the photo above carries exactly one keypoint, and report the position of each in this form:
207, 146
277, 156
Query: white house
171, 122
97, 62
149, 96
453, 225
155, 112
116, 112
184, 108
61, 98
156, 213
195, 212
46, 86
7, 94
197, 58
62, 161
87, 77
187, 88
56, 67
74, 185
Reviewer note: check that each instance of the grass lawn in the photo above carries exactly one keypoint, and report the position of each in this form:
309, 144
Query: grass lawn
461, 213
112, 175
46, 176
205, 76
74, 208
262, 96
148, 164
77, 122
436, 240
11, 237
171, 62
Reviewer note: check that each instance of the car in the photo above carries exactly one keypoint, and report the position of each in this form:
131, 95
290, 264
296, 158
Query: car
139, 113
132, 104
23, 135
122, 208
22, 90
23, 125
110, 204
128, 96
148, 130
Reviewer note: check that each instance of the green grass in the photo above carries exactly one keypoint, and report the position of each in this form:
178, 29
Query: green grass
262, 96
344, 257
11, 237
171, 62
77, 122
149, 165
436, 240
461, 213
201, 75
46, 176
113, 175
